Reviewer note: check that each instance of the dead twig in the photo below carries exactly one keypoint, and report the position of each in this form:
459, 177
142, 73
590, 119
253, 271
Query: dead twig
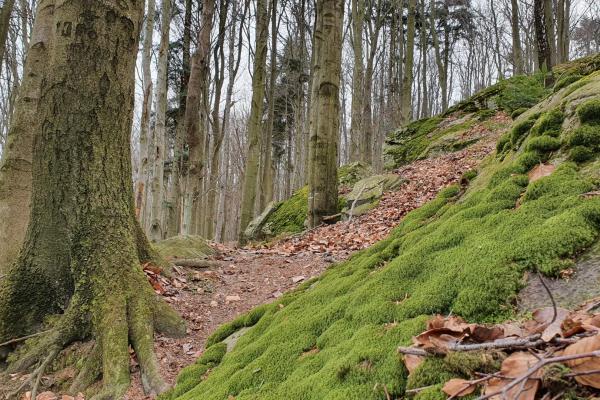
36, 376
469, 384
21, 339
506, 343
536, 367
554, 308
417, 390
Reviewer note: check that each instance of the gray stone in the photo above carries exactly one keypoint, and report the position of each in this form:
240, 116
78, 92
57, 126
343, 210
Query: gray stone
254, 231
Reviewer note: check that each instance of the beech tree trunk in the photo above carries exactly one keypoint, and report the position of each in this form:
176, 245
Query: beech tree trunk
15, 167
407, 82
144, 173
156, 232
5, 13
196, 109
358, 80
544, 51
516, 39
255, 119
81, 255
325, 111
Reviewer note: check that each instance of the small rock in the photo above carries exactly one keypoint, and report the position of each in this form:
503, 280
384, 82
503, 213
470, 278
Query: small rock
233, 298
214, 304
277, 294
298, 278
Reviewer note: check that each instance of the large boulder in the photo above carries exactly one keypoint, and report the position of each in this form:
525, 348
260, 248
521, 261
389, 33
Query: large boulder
183, 246
366, 193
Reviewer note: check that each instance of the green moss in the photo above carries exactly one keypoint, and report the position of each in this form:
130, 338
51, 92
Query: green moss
529, 159
518, 112
581, 154
290, 215
548, 123
406, 145
351, 173
432, 371
566, 81
185, 246
521, 92
503, 143
432, 393
589, 112
520, 130
543, 144
585, 135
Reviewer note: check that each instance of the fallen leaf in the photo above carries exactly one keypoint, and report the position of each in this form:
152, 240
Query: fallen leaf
47, 396
412, 362
515, 366
585, 345
540, 171
458, 387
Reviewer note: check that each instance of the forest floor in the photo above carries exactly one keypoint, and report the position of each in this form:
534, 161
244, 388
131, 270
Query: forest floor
237, 280
241, 279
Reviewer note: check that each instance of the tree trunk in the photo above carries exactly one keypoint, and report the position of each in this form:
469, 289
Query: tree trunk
442, 69
81, 254
544, 51
255, 119
5, 13
144, 173
15, 167
406, 102
550, 30
516, 38
424, 42
175, 198
195, 119
268, 170
325, 111
160, 131
358, 83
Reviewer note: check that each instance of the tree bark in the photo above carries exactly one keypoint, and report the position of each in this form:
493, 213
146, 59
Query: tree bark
439, 61
325, 111
5, 13
407, 82
144, 173
195, 119
516, 39
157, 230
255, 119
15, 167
81, 254
544, 51
358, 80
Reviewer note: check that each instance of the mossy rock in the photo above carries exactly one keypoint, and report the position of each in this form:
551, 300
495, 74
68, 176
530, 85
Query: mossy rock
366, 193
183, 246
351, 173
256, 227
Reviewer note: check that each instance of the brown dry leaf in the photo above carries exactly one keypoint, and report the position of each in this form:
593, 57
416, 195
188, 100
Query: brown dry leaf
540, 171
438, 339
458, 388
514, 366
583, 346
512, 329
543, 317
480, 333
412, 362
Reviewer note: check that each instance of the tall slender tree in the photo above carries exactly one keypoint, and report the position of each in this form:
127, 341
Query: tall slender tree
5, 13
406, 97
325, 111
358, 80
255, 119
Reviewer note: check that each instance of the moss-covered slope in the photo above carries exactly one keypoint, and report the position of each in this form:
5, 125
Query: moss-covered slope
466, 253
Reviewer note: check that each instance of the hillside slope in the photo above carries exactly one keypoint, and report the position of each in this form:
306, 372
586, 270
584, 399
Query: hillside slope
464, 252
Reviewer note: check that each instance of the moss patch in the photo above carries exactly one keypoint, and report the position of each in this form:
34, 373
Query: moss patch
290, 215
184, 246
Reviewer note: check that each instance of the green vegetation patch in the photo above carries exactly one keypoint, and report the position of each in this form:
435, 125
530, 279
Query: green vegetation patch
335, 337
183, 246
290, 215
351, 173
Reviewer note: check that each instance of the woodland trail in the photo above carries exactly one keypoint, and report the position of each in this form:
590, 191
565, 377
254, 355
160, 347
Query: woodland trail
241, 279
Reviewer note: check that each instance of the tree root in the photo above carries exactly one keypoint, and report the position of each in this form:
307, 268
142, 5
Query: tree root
35, 378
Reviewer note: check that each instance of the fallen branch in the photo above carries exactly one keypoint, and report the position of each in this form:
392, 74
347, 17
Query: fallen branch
21, 339
521, 343
354, 202
554, 309
535, 368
